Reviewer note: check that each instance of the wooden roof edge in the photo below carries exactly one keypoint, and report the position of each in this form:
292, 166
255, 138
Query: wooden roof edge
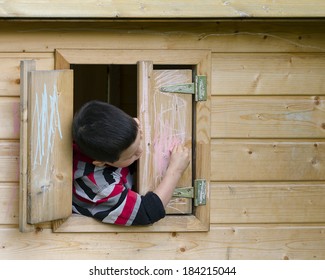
162, 9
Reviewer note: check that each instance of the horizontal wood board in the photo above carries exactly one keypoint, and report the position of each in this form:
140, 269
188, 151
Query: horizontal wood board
217, 36
268, 117
234, 242
268, 74
161, 9
231, 202
267, 160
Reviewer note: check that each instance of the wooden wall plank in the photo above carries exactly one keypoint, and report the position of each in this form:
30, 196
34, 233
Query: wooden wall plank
267, 160
171, 223
161, 9
9, 195
231, 202
10, 69
268, 117
9, 118
285, 202
9, 161
229, 36
125, 56
221, 242
268, 74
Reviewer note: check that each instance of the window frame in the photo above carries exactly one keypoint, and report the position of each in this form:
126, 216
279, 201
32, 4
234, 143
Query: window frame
201, 60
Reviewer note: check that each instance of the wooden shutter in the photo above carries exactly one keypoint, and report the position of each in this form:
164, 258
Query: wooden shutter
166, 119
46, 144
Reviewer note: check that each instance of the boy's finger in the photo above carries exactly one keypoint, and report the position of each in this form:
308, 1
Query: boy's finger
174, 147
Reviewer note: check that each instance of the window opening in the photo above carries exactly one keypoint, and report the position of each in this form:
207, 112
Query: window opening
171, 67
117, 85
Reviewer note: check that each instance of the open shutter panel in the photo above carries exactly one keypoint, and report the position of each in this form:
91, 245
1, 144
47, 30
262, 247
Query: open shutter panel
166, 119
46, 118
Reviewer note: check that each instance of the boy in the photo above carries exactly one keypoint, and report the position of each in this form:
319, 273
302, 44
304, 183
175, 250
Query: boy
107, 142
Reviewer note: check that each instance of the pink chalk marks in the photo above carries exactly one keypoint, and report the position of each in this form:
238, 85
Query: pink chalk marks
166, 119
163, 146
170, 129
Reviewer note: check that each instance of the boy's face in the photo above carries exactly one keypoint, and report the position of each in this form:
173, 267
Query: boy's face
128, 156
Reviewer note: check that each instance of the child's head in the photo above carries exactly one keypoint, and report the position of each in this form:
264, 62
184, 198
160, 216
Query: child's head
107, 134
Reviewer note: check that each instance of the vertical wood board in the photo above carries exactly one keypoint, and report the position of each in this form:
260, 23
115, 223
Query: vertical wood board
166, 119
50, 145
25, 67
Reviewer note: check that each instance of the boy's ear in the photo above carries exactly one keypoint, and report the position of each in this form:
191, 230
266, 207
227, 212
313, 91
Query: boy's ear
99, 163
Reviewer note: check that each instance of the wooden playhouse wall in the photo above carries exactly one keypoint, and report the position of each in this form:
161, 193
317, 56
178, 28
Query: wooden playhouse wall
267, 144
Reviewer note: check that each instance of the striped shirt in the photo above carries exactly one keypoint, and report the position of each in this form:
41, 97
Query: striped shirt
105, 193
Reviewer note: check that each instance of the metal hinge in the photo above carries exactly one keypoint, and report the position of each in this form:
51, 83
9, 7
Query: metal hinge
198, 193
198, 88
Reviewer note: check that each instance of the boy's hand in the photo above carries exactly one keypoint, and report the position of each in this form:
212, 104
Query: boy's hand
179, 159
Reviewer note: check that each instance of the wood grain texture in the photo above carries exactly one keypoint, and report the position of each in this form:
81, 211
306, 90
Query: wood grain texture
268, 117
221, 242
10, 69
161, 9
9, 200
268, 74
283, 202
49, 165
166, 120
25, 67
231, 203
127, 56
171, 223
292, 36
9, 161
266, 194
267, 160
201, 60
9, 118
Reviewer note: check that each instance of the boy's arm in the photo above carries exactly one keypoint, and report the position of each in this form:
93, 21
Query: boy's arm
153, 203
180, 158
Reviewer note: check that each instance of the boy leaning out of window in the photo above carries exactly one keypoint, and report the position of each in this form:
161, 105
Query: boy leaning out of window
107, 142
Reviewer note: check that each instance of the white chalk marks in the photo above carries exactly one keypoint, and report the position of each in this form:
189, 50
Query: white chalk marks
46, 125
49, 145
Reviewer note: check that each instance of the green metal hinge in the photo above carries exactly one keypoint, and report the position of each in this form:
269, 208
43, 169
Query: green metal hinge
198, 88
198, 193
200, 189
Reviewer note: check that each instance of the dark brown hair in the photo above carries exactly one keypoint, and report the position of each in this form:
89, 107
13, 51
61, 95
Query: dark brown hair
103, 131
